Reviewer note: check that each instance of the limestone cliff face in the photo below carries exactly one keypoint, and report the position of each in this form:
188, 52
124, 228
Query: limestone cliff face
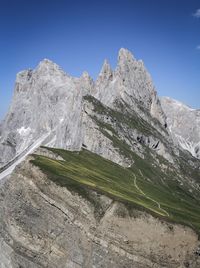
46, 101
48, 104
129, 82
45, 225
184, 125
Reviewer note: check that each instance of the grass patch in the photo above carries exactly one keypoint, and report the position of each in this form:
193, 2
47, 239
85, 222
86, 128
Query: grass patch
141, 185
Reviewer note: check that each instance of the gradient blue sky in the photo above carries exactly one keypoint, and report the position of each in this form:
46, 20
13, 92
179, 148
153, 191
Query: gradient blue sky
78, 35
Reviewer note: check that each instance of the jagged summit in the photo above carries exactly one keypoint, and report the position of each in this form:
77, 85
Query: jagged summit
47, 100
46, 63
48, 68
106, 69
45, 67
85, 75
125, 55
105, 74
85, 83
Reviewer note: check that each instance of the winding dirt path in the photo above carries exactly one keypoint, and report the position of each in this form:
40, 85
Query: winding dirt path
157, 203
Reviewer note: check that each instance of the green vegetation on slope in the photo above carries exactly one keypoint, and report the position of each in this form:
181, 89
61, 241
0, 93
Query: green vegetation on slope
142, 185
124, 117
121, 123
166, 192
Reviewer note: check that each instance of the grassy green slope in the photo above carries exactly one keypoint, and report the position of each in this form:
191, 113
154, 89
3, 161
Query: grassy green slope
165, 192
142, 185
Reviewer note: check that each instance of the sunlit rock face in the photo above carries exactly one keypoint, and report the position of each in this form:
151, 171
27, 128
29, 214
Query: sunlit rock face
46, 100
129, 82
47, 105
184, 125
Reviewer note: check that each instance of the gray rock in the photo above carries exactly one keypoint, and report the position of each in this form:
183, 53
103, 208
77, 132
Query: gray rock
45, 100
48, 102
184, 125
130, 82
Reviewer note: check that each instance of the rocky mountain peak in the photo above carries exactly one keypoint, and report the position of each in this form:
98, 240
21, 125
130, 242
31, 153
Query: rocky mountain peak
85, 83
47, 63
48, 67
106, 71
129, 82
102, 83
85, 75
55, 99
125, 56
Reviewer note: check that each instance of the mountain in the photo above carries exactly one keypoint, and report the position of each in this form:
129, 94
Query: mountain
48, 103
184, 125
45, 100
91, 175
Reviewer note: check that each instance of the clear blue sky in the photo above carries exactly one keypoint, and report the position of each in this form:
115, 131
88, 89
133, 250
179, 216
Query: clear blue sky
78, 35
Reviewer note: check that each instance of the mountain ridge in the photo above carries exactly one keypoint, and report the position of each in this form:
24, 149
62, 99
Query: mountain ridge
58, 96
91, 175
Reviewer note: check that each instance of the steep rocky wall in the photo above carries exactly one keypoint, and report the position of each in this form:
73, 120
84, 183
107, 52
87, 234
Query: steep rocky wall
47, 101
184, 125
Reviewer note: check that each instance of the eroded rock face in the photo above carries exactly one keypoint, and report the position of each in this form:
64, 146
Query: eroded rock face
184, 125
45, 225
129, 82
48, 103
46, 100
